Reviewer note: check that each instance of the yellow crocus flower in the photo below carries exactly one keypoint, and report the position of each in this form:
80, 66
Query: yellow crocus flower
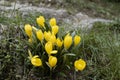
47, 35
28, 30
36, 61
55, 29
59, 42
48, 47
52, 22
80, 64
53, 38
52, 61
41, 21
77, 40
67, 41
40, 35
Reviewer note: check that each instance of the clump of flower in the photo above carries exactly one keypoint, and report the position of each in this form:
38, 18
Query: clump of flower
50, 50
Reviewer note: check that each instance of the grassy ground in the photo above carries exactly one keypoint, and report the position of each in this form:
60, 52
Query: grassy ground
100, 47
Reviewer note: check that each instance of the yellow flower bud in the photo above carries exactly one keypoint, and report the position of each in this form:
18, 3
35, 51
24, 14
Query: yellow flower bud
36, 61
53, 38
55, 29
30, 54
67, 41
77, 40
80, 64
40, 35
52, 22
40, 21
28, 30
30, 40
48, 47
52, 61
59, 42
47, 35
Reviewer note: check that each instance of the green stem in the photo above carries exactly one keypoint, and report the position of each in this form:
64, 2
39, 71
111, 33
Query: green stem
74, 77
50, 73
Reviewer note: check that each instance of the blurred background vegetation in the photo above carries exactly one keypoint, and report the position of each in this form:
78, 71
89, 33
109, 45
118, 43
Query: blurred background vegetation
96, 8
108, 9
100, 46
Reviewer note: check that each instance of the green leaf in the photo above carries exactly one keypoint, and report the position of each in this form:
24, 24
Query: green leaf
68, 66
62, 74
73, 33
70, 54
48, 65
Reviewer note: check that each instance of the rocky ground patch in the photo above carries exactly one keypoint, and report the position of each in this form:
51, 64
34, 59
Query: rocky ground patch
75, 20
